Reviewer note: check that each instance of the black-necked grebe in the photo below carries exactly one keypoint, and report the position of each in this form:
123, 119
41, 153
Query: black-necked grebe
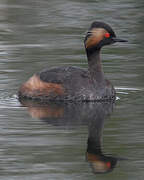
73, 83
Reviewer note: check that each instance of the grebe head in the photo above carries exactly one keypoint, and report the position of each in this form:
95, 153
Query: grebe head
100, 34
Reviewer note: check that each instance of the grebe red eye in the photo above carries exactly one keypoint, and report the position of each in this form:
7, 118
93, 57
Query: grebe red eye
107, 35
108, 164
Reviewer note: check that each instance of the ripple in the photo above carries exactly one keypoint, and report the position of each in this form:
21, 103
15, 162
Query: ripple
127, 91
129, 88
9, 100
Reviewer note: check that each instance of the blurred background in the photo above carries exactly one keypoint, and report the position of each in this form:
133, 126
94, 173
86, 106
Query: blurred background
35, 34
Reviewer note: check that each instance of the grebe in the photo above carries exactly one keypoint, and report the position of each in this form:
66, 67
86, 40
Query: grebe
73, 83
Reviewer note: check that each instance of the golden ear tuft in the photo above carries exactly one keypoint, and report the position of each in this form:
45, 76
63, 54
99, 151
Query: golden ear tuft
97, 34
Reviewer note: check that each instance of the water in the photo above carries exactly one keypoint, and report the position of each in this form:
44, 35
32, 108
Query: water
51, 141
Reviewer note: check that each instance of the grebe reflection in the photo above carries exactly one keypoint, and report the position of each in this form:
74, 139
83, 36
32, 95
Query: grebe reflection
75, 114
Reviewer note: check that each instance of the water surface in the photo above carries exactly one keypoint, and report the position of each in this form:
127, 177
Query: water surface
51, 141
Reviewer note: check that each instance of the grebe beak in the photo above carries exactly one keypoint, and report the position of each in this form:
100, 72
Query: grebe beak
118, 40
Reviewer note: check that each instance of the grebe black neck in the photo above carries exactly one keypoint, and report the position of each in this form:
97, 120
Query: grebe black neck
95, 66
99, 35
